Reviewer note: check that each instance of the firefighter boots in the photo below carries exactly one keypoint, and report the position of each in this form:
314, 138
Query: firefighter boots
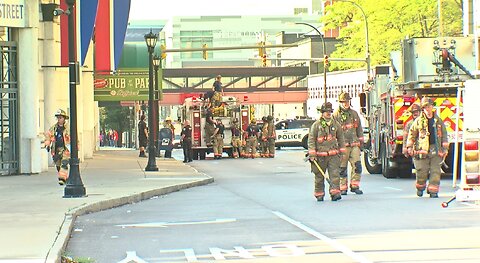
433, 195
357, 191
419, 193
336, 197
319, 198
343, 192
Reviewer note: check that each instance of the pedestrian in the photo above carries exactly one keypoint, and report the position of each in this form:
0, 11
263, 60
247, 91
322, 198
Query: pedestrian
353, 134
252, 134
218, 135
168, 124
142, 136
427, 142
236, 138
57, 141
325, 146
217, 88
115, 138
271, 136
186, 140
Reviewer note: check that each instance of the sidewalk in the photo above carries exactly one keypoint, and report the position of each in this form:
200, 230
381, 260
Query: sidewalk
35, 219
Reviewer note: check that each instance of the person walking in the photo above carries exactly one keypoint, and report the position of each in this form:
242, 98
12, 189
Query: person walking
57, 142
427, 142
415, 110
218, 135
325, 146
168, 124
186, 137
353, 134
142, 136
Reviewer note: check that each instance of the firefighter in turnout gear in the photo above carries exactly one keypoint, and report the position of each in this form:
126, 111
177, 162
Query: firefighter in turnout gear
415, 110
236, 139
325, 146
427, 142
209, 126
264, 139
271, 137
57, 141
218, 135
353, 134
252, 134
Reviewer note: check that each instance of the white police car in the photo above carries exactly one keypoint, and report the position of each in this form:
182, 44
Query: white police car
293, 133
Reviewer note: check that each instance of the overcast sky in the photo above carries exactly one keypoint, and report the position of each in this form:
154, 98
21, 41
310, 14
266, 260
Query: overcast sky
164, 9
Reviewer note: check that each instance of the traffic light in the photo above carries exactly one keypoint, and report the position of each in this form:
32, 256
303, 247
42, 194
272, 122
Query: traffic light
264, 60
205, 54
325, 61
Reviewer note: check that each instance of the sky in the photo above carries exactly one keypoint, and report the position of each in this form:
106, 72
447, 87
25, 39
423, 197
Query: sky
165, 9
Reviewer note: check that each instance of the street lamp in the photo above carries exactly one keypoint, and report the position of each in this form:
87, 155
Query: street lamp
74, 187
367, 50
151, 41
325, 58
156, 64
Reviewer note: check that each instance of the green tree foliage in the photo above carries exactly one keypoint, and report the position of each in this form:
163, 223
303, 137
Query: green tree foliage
115, 117
388, 23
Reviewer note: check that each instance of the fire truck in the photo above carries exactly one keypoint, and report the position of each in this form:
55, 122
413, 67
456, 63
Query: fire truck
434, 67
194, 110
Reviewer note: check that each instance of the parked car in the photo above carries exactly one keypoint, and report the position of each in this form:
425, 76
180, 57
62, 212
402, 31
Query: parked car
293, 133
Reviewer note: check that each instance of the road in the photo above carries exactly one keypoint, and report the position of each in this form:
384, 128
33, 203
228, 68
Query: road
263, 210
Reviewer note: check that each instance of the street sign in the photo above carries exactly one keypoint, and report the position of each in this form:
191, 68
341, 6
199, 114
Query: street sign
121, 88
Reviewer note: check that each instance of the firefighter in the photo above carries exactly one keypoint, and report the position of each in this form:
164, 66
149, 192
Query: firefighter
209, 126
186, 140
353, 134
252, 133
217, 88
427, 142
218, 135
57, 141
264, 139
236, 139
325, 145
415, 110
271, 135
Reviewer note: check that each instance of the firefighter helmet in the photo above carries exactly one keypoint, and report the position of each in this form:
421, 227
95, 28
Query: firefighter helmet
415, 107
264, 118
253, 121
168, 118
61, 112
327, 106
344, 96
427, 101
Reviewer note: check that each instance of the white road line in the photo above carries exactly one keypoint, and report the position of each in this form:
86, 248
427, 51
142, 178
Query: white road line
165, 224
392, 188
332, 242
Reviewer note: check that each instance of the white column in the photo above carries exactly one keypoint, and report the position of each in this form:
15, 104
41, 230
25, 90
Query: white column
28, 79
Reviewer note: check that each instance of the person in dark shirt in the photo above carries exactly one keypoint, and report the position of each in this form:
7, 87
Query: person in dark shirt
142, 136
209, 127
218, 139
186, 137
217, 88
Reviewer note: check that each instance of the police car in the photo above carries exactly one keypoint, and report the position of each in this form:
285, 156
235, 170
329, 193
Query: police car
293, 133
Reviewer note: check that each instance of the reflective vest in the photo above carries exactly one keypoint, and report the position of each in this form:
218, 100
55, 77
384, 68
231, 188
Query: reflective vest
351, 125
325, 138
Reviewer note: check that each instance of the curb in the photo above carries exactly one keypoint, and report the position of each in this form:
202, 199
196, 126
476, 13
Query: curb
65, 230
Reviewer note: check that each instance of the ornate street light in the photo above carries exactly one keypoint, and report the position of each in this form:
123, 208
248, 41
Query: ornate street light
74, 187
156, 64
325, 58
151, 41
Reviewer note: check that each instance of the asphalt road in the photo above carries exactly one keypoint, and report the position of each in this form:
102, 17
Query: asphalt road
263, 210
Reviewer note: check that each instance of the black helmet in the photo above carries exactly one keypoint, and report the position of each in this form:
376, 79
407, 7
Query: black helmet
327, 106
264, 118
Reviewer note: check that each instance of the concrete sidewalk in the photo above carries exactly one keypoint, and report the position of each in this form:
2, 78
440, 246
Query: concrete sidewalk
35, 219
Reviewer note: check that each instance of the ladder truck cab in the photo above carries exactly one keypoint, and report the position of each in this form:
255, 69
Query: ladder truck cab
433, 67
194, 110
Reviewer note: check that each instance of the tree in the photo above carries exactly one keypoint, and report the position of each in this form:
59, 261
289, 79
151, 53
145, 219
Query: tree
115, 117
388, 23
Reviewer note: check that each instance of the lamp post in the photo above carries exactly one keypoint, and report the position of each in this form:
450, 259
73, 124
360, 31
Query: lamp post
151, 41
156, 64
325, 58
367, 50
74, 187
